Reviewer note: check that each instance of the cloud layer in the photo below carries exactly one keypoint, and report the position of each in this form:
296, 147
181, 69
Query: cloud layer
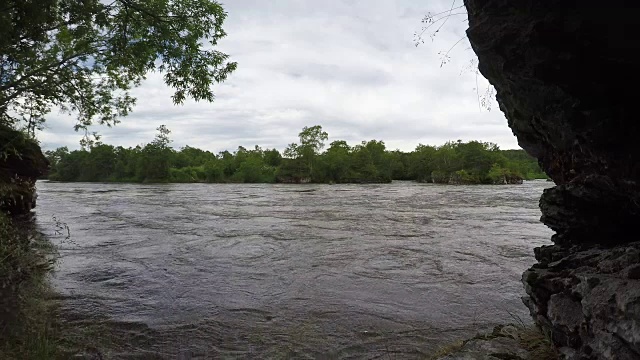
350, 66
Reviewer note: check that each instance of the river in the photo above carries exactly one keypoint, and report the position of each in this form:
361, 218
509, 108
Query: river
198, 271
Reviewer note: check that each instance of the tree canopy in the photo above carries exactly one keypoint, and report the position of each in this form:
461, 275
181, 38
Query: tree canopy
458, 162
84, 57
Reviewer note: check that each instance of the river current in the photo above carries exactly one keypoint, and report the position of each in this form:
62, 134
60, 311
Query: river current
199, 271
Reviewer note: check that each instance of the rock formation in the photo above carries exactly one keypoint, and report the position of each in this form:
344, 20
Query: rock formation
21, 163
589, 299
560, 69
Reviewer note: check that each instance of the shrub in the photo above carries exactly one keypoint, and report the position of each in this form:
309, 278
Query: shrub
462, 177
439, 177
180, 175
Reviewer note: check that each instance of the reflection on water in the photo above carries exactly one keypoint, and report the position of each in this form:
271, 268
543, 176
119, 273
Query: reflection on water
302, 271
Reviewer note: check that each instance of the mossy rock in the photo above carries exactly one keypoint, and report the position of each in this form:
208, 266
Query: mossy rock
21, 163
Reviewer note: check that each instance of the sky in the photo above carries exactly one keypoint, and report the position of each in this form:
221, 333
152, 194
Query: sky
350, 66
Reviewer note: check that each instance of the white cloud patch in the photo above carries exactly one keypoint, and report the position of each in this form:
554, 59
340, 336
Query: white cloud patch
350, 66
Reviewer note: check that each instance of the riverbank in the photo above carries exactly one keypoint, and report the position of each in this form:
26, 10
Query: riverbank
453, 182
27, 329
34, 324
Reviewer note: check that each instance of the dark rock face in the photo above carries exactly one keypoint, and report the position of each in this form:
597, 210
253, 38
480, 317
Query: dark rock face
560, 69
589, 300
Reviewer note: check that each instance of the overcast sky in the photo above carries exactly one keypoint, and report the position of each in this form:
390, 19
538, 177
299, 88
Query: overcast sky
350, 66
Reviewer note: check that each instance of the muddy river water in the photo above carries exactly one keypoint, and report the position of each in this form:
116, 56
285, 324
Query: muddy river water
199, 271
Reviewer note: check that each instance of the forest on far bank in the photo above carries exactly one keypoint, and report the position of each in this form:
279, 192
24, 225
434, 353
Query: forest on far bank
455, 162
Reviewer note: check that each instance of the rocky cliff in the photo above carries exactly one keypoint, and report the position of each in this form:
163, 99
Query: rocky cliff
564, 73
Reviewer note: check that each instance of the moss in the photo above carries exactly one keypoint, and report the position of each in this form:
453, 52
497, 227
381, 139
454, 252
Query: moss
530, 338
537, 343
448, 349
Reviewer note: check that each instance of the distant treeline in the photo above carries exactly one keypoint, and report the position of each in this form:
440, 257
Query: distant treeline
457, 162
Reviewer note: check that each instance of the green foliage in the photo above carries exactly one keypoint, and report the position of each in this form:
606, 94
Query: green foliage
213, 171
153, 164
521, 163
439, 177
457, 162
463, 177
501, 175
84, 57
422, 164
497, 173
337, 164
254, 170
306, 153
189, 174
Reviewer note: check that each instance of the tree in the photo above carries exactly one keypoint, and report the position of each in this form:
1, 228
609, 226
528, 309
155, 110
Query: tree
55, 156
124, 168
213, 171
162, 140
311, 143
291, 152
368, 162
100, 162
337, 159
399, 165
84, 57
478, 157
381, 159
446, 157
153, 165
228, 163
312, 139
272, 157
421, 163
71, 167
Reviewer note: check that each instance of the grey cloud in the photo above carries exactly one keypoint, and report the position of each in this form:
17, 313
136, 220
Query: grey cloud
350, 66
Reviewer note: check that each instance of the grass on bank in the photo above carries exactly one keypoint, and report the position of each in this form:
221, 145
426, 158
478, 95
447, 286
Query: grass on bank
26, 327
537, 343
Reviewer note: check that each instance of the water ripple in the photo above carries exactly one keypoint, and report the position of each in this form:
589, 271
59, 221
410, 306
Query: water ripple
292, 271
